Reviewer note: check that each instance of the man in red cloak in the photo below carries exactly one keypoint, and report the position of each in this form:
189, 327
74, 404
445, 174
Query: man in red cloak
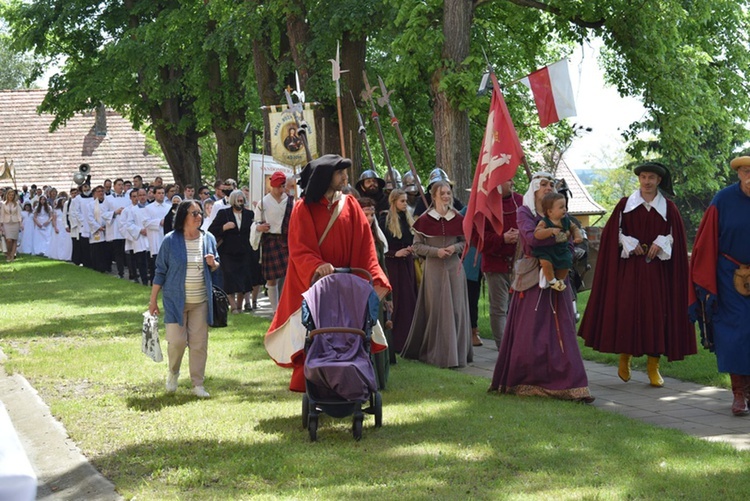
327, 230
638, 302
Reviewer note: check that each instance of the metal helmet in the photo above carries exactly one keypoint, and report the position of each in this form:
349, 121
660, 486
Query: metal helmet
389, 181
410, 183
438, 174
369, 174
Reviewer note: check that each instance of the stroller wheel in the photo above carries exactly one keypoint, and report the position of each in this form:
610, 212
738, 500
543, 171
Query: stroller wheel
357, 427
378, 410
312, 427
305, 410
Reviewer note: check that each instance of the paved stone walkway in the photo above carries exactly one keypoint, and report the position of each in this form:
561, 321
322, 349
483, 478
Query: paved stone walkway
701, 411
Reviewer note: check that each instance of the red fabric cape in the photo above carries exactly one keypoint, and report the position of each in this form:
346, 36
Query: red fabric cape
705, 255
703, 279
597, 327
428, 225
349, 243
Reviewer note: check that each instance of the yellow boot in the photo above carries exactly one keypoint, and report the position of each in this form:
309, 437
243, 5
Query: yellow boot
652, 367
624, 370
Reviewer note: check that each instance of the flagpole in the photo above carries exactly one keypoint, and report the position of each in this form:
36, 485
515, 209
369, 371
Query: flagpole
363, 132
337, 78
367, 93
394, 122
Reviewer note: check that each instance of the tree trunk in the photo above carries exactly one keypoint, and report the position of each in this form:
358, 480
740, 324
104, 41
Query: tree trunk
181, 152
452, 140
353, 48
227, 119
180, 148
228, 142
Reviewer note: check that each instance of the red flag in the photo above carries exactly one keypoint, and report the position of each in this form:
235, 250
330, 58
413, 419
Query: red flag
500, 156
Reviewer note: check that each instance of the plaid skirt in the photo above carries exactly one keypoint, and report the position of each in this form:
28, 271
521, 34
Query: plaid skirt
275, 256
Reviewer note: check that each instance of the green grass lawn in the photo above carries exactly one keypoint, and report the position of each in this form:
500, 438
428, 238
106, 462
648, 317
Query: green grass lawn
75, 335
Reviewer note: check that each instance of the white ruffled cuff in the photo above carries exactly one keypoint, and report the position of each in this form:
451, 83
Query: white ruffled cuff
665, 242
628, 245
255, 236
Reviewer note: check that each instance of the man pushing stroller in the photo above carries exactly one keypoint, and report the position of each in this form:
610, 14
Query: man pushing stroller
327, 230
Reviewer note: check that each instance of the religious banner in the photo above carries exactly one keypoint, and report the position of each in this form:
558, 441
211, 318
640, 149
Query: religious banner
286, 144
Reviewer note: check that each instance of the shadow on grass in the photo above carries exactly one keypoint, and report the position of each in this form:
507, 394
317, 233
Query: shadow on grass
156, 402
442, 455
154, 397
105, 324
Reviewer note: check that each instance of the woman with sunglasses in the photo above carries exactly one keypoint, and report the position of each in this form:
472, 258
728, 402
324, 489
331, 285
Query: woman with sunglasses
186, 259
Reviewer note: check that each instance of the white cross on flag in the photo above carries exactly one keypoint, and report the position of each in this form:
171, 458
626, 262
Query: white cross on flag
499, 158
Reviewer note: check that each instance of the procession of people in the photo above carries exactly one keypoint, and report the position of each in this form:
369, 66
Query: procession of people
646, 295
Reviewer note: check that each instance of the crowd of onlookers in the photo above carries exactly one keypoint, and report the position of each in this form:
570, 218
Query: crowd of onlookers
118, 226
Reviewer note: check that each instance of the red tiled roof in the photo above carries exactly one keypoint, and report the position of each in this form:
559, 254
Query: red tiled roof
581, 202
45, 158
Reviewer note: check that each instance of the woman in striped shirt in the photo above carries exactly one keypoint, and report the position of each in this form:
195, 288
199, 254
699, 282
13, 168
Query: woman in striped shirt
186, 258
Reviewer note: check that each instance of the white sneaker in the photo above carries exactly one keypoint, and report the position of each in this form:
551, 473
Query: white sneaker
172, 382
200, 392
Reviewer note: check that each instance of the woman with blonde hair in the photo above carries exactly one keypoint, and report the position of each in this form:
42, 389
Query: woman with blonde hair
399, 263
10, 223
440, 333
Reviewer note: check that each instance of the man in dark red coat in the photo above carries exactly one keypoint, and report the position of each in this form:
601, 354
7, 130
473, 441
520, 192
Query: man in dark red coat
497, 260
327, 230
638, 302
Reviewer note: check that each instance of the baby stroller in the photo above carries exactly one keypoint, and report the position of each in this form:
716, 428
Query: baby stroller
338, 312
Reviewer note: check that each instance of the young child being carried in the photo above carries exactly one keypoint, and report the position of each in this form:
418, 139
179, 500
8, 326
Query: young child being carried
557, 259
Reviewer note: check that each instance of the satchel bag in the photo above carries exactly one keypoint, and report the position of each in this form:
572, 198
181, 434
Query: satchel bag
525, 270
741, 276
221, 307
742, 279
525, 273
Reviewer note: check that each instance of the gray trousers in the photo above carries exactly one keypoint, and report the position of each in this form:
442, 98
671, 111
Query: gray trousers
193, 335
498, 285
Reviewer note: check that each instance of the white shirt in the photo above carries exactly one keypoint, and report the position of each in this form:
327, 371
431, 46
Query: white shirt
155, 213
83, 209
134, 219
273, 213
659, 204
96, 221
114, 222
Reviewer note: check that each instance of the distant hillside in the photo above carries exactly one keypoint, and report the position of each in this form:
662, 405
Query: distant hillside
588, 176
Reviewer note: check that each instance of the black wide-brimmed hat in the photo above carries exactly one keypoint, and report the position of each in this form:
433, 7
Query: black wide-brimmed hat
660, 170
316, 176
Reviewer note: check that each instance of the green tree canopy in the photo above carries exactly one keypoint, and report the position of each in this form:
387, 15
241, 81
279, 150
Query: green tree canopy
193, 67
18, 68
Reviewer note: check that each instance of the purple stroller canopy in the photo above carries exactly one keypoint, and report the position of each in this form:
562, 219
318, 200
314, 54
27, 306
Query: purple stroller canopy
340, 362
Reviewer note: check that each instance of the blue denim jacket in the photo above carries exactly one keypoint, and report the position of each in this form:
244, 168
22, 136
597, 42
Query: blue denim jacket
171, 270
